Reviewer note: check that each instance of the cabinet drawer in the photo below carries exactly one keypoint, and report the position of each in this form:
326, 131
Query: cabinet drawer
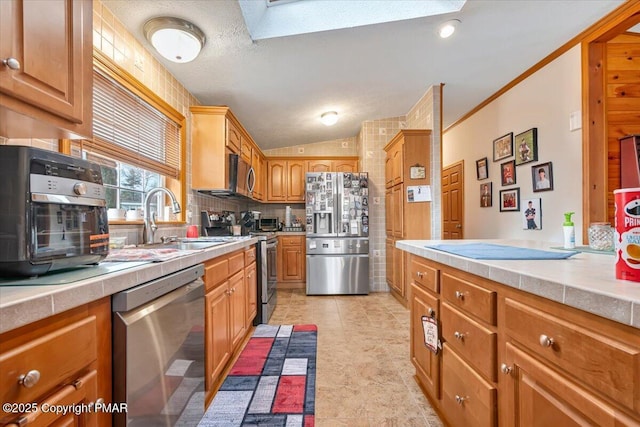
57, 356
473, 299
467, 400
236, 262
233, 137
609, 366
250, 255
423, 275
215, 272
473, 341
292, 240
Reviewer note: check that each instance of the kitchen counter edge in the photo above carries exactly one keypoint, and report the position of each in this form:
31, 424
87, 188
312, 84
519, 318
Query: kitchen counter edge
585, 281
21, 305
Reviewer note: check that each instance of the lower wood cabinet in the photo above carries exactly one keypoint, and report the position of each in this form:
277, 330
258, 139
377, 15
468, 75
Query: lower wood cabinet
230, 294
292, 265
64, 359
511, 358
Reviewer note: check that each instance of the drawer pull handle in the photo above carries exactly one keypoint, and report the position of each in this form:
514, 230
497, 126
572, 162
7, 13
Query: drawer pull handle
29, 379
459, 335
419, 274
460, 400
11, 63
459, 295
505, 369
431, 312
546, 341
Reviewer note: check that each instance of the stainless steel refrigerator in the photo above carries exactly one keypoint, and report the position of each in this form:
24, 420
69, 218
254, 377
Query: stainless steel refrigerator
337, 217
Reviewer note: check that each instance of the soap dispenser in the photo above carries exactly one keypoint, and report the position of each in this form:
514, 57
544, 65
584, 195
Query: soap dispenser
569, 231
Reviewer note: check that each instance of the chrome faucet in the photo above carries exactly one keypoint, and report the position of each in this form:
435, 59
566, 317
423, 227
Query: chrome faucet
150, 226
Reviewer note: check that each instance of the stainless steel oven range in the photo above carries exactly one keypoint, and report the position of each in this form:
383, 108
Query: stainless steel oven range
267, 275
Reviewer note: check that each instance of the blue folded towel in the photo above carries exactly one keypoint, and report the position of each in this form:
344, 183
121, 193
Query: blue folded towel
492, 251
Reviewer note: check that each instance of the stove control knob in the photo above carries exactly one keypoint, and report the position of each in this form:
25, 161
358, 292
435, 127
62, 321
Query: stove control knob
80, 188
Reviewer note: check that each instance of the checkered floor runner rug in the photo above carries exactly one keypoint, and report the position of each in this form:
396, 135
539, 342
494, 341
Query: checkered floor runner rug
272, 383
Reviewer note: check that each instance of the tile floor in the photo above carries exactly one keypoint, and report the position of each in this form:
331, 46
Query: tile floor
364, 376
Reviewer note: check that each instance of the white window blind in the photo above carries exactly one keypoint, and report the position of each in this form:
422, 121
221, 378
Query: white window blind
127, 128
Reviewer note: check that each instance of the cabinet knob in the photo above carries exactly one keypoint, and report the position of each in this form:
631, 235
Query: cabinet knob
29, 379
546, 341
431, 312
419, 274
459, 399
505, 369
459, 295
11, 63
458, 335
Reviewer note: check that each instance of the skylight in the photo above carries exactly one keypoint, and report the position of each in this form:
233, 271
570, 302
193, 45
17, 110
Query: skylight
264, 20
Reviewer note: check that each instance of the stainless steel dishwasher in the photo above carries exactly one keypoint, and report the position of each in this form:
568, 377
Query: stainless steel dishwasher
158, 351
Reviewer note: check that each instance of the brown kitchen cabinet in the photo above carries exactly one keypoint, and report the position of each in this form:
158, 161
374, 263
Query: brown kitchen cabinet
513, 358
320, 165
335, 165
215, 133
251, 286
296, 187
285, 180
291, 259
227, 316
67, 358
46, 85
406, 149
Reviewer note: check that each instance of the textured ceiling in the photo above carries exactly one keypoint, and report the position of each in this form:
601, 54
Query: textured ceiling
279, 87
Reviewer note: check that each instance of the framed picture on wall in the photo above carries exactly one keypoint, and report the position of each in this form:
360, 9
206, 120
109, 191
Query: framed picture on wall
503, 147
508, 172
542, 177
481, 169
526, 146
486, 195
532, 218
510, 200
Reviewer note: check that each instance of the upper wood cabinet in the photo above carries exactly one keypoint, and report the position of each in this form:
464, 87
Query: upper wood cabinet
332, 165
215, 132
46, 84
285, 180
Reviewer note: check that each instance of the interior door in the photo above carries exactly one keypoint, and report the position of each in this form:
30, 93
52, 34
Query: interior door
453, 201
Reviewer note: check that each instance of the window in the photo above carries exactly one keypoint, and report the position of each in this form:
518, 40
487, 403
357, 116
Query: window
138, 139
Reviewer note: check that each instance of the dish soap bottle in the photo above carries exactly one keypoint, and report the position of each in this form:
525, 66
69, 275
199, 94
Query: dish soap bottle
569, 231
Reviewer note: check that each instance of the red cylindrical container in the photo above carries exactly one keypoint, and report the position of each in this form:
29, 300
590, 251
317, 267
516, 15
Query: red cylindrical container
627, 237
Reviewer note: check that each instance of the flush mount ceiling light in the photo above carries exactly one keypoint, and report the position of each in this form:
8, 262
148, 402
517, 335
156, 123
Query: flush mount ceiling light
174, 38
329, 118
448, 28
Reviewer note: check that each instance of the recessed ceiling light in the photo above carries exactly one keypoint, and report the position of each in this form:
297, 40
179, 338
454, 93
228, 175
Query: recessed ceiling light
329, 118
448, 28
174, 38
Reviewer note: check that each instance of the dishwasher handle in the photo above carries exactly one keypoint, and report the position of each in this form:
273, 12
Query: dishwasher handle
135, 297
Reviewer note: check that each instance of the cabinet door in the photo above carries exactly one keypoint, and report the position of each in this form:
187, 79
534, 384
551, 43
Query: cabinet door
319, 166
397, 164
51, 43
426, 362
234, 139
292, 264
398, 211
251, 280
257, 168
538, 396
238, 291
389, 245
345, 165
277, 180
388, 212
245, 150
388, 171
217, 330
295, 181
398, 271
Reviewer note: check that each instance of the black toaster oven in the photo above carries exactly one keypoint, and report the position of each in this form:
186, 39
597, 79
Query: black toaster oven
53, 212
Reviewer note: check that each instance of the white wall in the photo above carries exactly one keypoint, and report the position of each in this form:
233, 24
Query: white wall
545, 101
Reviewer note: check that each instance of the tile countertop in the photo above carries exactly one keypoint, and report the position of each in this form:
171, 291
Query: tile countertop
20, 305
585, 281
